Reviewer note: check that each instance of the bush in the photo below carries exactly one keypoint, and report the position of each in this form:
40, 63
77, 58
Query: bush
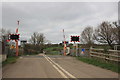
33, 49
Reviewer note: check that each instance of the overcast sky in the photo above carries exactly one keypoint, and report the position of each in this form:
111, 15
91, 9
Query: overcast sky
51, 17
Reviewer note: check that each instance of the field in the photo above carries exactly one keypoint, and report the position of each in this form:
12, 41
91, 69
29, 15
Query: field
53, 50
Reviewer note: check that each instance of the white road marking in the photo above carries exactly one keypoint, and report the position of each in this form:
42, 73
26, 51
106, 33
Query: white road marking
61, 68
64, 76
21, 57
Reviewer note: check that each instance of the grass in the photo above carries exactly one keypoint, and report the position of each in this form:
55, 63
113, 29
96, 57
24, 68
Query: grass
102, 64
9, 60
53, 50
54, 53
30, 54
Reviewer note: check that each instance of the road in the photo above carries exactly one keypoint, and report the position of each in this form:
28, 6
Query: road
54, 66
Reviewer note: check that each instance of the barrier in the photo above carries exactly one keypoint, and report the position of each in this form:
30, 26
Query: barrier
110, 55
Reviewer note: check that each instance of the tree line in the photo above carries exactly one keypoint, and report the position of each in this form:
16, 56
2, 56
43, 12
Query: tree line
104, 33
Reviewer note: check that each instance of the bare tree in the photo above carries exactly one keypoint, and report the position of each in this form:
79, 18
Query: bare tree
40, 39
117, 32
87, 35
33, 39
37, 38
3, 38
4, 34
105, 34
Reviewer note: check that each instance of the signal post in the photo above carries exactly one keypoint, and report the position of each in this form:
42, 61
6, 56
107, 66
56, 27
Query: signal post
75, 39
64, 44
16, 38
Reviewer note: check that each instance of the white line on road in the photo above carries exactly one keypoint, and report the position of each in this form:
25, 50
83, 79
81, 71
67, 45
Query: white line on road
64, 76
61, 68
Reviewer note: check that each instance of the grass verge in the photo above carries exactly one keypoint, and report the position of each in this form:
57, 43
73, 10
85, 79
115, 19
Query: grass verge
9, 60
102, 64
53, 50
53, 53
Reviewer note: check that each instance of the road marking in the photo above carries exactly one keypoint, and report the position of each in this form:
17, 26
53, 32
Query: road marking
21, 57
61, 68
56, 68
60, 58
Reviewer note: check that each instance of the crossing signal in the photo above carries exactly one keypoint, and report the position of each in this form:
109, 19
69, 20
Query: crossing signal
75, 39
14, 36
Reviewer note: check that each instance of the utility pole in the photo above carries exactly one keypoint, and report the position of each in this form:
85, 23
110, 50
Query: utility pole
64, 44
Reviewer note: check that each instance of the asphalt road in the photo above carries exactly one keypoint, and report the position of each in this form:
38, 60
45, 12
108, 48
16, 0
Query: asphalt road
54, 66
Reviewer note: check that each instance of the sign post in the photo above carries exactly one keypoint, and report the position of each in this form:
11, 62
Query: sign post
75, 39
23, 42
74, 45
16, 47
76, 49
64, 44
17, 40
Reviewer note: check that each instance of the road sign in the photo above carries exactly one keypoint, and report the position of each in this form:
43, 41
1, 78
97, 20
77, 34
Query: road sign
12, 47
14, 36
23, 41
75, 39
83, 50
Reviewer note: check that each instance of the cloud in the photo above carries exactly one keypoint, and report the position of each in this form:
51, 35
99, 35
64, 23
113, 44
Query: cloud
51, 17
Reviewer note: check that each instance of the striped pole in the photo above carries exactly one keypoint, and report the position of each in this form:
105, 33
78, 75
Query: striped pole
64, 43
17, 40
